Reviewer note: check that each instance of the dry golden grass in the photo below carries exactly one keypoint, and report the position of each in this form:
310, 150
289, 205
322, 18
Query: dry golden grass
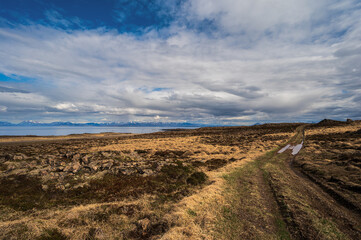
196, 215
334, 129
77, 221
199, 150
193, 217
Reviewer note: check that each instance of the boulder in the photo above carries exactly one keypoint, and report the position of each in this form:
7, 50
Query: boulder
94, 166
98, 175
107, 164
12, 165
35, 172
144, 225
187, 153
59, 169
67, 168
81, 185
86, 159
18, 171
106, 154
76, 157
147, 172
32, 164
19, 157
76, 167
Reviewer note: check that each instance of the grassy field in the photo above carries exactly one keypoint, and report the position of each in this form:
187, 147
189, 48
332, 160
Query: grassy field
208, 183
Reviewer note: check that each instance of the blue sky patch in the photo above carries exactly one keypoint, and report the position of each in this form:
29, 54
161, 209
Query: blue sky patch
124, 15
15, 78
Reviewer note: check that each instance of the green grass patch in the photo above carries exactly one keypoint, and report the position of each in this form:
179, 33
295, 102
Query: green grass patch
191, 213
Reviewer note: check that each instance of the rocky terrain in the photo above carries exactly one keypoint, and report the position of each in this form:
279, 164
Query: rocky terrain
207, 183
39, 177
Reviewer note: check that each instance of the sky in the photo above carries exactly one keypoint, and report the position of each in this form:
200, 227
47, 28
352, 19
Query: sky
234, 62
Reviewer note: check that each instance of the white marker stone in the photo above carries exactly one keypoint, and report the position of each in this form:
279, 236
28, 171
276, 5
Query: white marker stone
297, 148
284, 148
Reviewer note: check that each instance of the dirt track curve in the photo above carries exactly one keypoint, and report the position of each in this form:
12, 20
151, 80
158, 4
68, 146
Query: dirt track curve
322, 204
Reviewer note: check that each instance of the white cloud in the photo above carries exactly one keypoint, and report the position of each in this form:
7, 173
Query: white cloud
3, 109
302, 55
256, 15
68, 107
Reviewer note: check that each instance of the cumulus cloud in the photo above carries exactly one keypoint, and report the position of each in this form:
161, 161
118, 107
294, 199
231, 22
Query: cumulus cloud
244, 61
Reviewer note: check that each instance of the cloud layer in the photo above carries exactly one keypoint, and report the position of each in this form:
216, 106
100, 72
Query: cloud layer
216, 62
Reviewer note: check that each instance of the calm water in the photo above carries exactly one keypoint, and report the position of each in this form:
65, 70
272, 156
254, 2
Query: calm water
64, 130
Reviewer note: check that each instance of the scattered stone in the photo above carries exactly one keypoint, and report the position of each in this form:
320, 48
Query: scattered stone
94, 166
76, 167
19, 157
32, 164
35, 172
98, 175
86, 159
60, 169
187, 153
128, 171
144, 225
148, 172
81, 185
106, 154
18, 171
12, 165
67, 168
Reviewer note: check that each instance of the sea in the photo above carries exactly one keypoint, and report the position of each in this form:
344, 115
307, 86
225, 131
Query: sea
66, 130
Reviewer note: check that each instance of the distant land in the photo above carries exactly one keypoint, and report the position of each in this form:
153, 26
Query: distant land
109, 124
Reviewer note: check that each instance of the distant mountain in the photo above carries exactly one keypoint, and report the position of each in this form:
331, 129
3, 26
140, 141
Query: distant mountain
28, 123
5, 124
109, 124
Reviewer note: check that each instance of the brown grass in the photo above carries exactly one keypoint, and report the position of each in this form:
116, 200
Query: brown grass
176, 203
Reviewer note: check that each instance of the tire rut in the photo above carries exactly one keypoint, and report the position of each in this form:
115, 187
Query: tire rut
327, 202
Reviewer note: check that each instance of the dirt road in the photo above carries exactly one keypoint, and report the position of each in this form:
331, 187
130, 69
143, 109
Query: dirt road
309, 211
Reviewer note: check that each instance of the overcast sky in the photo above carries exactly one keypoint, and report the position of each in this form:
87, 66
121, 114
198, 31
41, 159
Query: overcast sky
206, 61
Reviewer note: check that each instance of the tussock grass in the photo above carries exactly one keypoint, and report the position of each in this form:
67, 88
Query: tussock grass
182, 201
